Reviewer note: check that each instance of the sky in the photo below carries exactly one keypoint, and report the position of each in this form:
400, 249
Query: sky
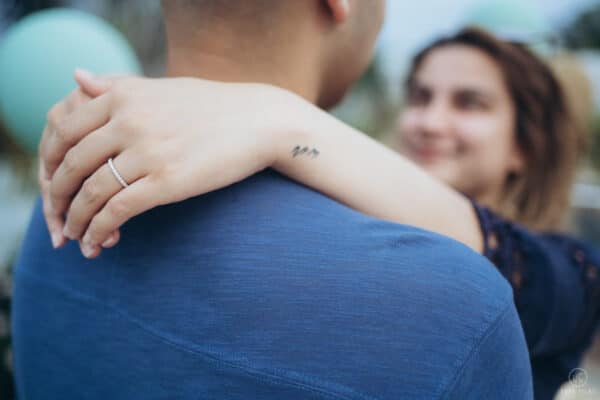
412, 24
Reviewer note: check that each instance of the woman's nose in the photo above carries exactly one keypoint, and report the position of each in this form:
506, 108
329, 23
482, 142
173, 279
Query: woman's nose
435, 119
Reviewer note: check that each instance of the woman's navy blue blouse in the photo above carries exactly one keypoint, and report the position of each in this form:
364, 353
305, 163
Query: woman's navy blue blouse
556, 284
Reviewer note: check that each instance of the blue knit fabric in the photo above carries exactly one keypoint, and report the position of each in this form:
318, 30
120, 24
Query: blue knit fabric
265, 290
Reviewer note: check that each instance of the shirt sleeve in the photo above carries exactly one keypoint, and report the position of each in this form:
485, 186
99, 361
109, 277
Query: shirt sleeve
492, 374
555, 281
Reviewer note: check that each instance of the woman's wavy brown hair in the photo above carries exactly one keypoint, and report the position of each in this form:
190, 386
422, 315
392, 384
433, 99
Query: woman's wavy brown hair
549, 137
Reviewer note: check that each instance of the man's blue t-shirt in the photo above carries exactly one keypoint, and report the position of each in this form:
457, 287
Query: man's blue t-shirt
264, 290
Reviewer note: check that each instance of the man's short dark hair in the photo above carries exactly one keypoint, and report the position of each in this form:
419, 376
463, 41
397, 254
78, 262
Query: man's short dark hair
241, 11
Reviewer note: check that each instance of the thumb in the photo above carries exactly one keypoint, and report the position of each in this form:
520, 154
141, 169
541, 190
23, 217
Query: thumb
91, 84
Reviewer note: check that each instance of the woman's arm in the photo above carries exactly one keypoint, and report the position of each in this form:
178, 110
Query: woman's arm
347, 165
172, 139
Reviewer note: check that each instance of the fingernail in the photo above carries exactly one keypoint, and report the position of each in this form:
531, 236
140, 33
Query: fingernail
84, 73
56, 240
110, 241
88, 250
67, 233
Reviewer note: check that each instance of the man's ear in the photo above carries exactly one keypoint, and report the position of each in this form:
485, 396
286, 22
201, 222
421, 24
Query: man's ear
340, 9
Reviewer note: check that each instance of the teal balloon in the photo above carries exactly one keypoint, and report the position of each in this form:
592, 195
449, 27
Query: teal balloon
509, 19
37, 57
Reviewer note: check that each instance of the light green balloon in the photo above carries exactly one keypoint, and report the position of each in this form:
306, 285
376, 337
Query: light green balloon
37, 57
509, 19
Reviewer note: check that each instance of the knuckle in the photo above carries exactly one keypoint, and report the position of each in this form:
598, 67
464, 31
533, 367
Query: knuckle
150, 155
70, 162
160, 175
52, 116
131, 124
62, 132
117, 209
89, 191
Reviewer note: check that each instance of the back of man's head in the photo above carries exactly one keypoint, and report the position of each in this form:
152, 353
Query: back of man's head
331, 39
250, 15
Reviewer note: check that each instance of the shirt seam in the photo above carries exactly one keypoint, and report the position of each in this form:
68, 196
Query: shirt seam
475, 349
265, 375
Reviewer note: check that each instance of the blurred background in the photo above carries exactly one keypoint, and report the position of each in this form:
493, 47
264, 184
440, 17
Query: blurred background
566, 32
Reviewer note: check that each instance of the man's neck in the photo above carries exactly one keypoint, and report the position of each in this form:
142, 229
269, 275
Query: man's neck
292, 69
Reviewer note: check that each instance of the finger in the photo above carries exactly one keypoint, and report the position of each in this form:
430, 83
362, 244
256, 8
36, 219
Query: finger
43, 174
95, 192
91, 84
56, 113
112, 240
90, 251
54, 221
59, 111
75, 100
141, 196
95, 85
74, 126
80, 162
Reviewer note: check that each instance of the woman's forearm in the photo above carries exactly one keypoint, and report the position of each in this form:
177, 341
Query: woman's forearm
347, 165
223, 133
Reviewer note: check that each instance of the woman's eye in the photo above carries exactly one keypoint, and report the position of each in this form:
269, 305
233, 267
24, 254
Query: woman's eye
470, 103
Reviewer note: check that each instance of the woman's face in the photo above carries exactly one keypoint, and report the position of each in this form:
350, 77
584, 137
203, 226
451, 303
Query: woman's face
459, 121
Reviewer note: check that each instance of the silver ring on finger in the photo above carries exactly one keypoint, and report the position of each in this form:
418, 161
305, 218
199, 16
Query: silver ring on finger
118, 176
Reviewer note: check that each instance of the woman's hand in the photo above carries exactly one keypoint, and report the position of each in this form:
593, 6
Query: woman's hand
59, 112
170, 139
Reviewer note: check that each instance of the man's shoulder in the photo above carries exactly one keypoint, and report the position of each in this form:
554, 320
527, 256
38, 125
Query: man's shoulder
432, 301
270, 250
342, 228
269, 211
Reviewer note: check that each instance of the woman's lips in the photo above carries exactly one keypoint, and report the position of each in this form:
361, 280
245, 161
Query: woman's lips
428, 154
